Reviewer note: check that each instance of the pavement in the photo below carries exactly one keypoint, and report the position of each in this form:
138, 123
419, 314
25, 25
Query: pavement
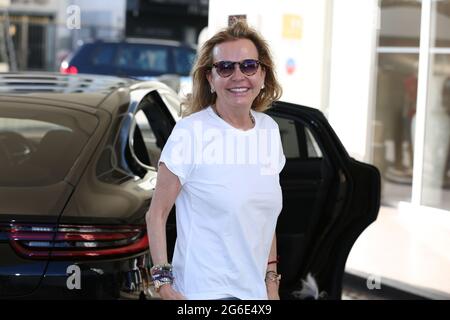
403, 249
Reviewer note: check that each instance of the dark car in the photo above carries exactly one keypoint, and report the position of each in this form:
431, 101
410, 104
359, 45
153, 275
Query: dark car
78, 159
143, 59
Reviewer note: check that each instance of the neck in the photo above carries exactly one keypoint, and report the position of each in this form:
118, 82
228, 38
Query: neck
240, 118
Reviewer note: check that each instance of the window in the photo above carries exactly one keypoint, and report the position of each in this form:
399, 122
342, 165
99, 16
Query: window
136, 142
289, 138
297, 140
148, 152
103, 55
184, 59
395, 34
436, 157
312, 146
395, 105
40, 151
153, 59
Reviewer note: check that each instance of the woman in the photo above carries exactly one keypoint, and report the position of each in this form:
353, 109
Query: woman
220, 166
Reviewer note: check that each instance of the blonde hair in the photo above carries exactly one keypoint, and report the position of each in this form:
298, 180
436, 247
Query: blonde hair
201, 96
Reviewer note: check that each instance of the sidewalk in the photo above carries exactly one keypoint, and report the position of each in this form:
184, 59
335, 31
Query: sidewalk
405, 251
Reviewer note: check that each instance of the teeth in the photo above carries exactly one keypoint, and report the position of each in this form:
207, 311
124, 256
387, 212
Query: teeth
239, 89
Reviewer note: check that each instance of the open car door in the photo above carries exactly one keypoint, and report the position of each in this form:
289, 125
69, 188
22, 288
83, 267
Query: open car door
328, 200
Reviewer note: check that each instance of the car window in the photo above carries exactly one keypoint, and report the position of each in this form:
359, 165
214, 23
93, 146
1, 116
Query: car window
184, 59
141, 146
38, 148
152, 59
289, 138
297, 140
311, 145
149, 152
103, 55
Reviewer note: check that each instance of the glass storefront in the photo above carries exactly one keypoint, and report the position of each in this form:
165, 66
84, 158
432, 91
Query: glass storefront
409, 241
393, 142
436, 157
395, 108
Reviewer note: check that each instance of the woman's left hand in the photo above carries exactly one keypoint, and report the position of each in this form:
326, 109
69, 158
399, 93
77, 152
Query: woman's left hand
272, 290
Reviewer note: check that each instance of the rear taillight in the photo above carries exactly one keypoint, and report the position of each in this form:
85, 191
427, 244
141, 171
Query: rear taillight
66, 69
76, 241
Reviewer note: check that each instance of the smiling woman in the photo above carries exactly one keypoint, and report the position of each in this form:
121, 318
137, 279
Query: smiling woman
227, 203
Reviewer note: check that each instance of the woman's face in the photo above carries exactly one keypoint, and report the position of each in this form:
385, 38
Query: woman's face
238, 90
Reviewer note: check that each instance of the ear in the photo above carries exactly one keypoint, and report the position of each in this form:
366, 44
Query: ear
209, 78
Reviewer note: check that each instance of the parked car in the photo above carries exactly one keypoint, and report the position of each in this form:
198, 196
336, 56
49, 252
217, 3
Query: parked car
143, 59
78, 168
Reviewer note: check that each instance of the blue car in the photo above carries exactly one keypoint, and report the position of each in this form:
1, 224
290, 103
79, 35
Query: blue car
142, 59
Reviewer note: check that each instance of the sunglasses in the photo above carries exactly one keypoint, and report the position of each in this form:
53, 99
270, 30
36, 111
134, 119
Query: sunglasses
226, 68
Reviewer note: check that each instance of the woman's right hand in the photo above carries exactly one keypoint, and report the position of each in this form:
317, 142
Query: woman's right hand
167, 292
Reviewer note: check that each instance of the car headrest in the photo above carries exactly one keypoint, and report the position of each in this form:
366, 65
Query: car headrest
54, 140
53, 147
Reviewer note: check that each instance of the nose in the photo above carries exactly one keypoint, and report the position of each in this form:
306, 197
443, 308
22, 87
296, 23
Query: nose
237, 74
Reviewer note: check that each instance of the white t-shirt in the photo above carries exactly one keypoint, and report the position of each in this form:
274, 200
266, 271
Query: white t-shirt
228, 205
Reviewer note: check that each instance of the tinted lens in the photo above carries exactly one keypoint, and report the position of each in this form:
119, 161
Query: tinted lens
225, 68
249, 67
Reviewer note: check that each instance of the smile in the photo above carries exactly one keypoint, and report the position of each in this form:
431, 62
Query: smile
238, 90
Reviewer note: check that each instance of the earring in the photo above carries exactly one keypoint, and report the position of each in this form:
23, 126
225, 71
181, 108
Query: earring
213, 90
262, 87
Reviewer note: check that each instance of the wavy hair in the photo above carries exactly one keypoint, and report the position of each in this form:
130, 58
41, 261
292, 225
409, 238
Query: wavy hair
201, 96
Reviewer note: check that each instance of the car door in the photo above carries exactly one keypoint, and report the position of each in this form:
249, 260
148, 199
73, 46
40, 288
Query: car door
328, 200
154, 123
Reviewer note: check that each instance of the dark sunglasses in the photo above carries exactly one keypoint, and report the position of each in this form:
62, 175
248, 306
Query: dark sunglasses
226, 68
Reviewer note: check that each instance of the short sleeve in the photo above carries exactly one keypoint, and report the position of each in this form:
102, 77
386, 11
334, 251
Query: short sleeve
281, 156
177, 153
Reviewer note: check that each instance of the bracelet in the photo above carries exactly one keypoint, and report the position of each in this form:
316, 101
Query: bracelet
161, 274
274, 261
159, 283
161, 271
158, 267
272, 276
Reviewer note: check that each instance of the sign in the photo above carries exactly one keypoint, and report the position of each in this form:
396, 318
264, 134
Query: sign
232, 19
290, 66
292, 26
